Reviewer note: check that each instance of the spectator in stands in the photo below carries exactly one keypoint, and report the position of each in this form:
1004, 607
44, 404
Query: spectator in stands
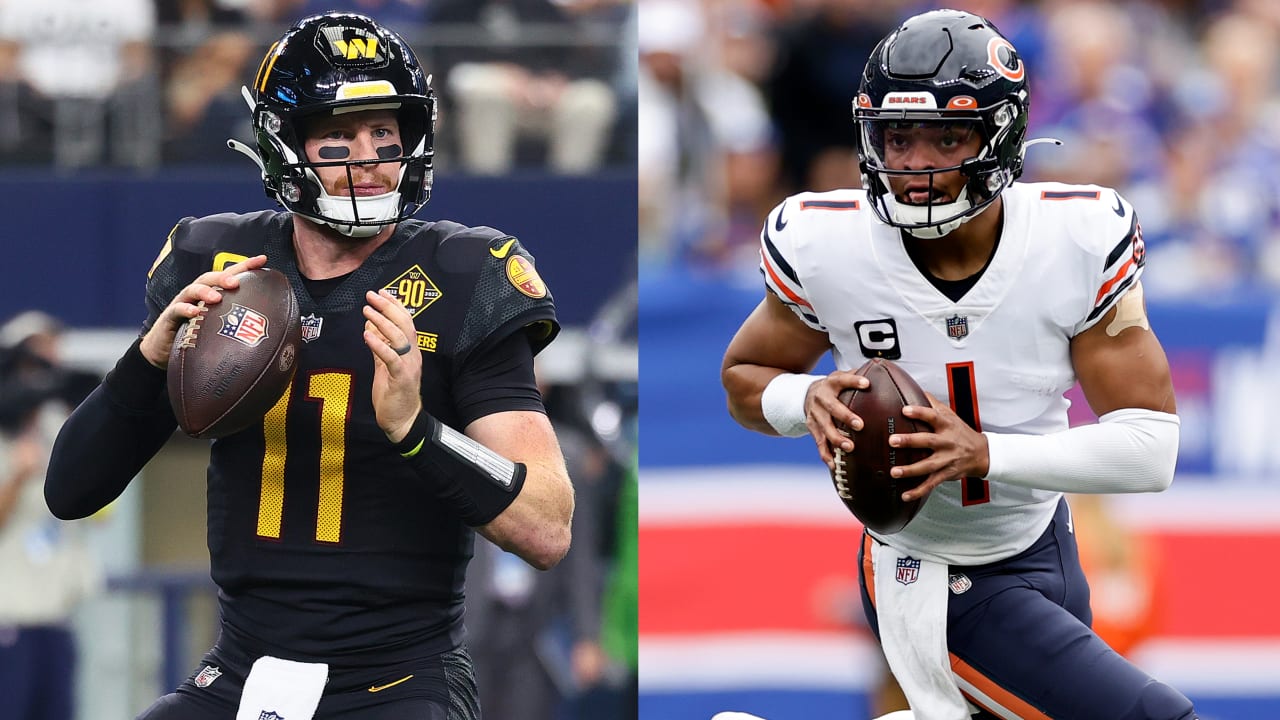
79, 81
404, 14
699, 125
528, 73
810, 91
45, 566
1227, 166
204, 72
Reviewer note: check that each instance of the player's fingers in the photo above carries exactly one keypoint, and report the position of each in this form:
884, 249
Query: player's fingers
912, 440
229, 273
927, 415
382, 350
843, 379
390, 306
395, 335
924, 488
180, 312
226, 277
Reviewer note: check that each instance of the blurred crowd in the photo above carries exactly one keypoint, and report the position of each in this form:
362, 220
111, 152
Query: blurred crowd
1172, 102
142, 83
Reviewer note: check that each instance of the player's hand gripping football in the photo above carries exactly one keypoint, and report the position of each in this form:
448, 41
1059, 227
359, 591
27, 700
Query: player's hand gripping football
823, 410
397, 363
958, 450
186, 305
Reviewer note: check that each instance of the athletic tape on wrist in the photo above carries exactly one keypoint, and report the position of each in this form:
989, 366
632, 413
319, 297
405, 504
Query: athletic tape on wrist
782, 403
478, 482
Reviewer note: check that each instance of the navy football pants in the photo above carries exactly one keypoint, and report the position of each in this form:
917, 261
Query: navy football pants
1020, 641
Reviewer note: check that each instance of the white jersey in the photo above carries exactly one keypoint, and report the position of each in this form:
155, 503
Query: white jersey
1000, 356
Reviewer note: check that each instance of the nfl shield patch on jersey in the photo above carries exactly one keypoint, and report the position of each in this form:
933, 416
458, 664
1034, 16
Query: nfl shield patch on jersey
957, 327
311, 327
206, 676
908, 570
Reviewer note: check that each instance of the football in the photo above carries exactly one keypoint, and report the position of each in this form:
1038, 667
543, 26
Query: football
228, 366
862, 477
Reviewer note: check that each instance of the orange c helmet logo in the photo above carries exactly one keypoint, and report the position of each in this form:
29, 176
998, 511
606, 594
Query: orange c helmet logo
1005, 60
962, 102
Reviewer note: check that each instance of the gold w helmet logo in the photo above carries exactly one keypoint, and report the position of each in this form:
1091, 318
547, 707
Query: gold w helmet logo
351, 43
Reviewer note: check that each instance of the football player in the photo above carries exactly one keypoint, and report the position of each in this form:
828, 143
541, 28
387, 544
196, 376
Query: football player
340, 527
996, 296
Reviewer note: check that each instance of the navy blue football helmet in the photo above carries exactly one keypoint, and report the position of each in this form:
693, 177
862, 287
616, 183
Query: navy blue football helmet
943, 67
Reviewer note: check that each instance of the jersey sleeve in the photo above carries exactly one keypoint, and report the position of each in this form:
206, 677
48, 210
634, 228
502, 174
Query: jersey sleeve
1118, 256
778, 267
174, 268
509, 296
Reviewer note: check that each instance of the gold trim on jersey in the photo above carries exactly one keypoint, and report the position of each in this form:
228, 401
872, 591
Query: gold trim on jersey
224, 260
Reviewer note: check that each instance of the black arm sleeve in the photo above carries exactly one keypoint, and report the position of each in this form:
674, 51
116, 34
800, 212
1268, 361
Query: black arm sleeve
109, 438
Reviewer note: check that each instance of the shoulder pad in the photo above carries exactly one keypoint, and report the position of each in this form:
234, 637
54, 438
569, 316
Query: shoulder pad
197, 245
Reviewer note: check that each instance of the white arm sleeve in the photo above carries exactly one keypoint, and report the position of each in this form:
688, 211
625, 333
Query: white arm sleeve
1128, 450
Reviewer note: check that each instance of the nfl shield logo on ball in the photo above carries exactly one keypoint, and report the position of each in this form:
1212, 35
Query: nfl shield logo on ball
206, 676
908, 570
957, 327
244, 325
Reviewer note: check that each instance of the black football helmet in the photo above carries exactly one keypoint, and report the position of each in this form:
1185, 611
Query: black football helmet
334, 63
952, 67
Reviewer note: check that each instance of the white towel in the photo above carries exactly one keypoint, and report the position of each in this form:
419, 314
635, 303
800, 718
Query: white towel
282, 690
911, 607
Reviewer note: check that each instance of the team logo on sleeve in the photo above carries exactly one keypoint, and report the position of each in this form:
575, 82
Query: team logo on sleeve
958, 327
206, 676
414, 290
269, 715
878, 338
244, 324
526, 279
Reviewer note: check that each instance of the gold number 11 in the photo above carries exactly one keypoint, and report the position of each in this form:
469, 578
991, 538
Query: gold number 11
333, 391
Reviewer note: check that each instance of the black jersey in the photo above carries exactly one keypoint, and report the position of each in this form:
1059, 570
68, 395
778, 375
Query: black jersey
321, 536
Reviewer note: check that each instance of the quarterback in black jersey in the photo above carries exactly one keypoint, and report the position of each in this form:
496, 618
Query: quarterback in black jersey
340, 527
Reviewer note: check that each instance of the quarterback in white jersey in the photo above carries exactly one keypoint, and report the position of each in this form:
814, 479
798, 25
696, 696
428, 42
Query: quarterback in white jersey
997, 297
1000, 356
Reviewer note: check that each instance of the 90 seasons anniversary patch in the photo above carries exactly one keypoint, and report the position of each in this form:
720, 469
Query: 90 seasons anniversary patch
416, 292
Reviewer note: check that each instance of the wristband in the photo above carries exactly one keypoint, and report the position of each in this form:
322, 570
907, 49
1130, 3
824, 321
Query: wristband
782, 403
476, 481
